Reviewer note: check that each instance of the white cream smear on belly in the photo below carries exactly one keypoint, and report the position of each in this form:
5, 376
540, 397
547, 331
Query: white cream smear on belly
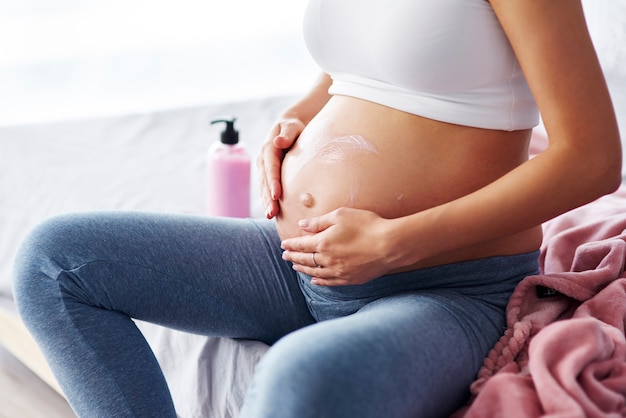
333, 150
342, 148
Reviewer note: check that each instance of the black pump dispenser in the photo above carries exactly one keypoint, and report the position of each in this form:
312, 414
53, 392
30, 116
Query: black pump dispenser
230, 135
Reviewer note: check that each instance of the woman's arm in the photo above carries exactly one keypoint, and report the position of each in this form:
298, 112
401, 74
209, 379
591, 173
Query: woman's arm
582, 162
282, 137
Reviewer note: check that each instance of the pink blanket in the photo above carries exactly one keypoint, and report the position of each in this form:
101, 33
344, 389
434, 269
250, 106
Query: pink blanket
564, 351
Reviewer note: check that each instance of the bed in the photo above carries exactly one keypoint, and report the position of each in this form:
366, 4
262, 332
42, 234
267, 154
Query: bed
155, 162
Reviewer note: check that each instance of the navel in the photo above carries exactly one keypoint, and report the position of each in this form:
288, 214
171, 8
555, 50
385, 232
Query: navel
307, 200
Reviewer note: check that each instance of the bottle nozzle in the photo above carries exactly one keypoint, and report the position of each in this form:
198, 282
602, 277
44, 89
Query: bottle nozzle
229, 135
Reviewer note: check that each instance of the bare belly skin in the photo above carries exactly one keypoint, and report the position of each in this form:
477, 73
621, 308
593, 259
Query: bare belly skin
363, 155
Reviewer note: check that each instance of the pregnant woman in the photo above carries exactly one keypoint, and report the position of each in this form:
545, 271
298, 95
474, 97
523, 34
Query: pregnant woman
406, 212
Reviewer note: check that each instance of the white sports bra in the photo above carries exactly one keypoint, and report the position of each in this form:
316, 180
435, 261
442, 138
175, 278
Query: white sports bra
447, 60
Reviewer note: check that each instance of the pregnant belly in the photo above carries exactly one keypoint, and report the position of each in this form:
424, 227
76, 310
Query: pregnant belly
360, 155
328, 170
321, 175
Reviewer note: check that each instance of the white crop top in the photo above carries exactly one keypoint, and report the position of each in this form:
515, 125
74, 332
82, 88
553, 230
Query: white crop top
447, 60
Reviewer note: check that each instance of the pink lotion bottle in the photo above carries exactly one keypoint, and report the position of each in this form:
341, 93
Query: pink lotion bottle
228, 174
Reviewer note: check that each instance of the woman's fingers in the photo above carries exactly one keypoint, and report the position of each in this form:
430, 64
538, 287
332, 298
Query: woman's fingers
281, 138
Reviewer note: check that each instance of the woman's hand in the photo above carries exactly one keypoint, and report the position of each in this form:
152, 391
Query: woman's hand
281, 138
344, 247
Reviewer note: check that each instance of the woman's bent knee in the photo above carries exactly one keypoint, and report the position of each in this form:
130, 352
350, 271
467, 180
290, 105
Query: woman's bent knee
46, 251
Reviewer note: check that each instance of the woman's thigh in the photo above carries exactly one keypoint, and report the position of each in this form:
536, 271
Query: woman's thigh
79, 279
214, 276
407, 355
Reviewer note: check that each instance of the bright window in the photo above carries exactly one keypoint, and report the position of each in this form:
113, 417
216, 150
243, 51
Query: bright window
74, 58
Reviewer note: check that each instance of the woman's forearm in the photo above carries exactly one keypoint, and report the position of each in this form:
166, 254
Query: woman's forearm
552, 183
281, 138
308, 106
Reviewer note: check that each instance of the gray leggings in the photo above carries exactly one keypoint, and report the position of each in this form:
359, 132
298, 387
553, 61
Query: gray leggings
403, 345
